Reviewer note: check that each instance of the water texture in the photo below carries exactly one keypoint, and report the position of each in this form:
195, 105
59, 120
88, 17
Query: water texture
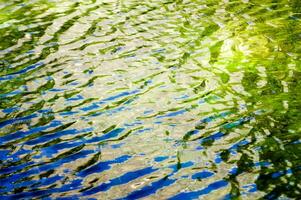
156, 99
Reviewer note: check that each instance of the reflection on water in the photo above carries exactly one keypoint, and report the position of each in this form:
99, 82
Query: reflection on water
150, 99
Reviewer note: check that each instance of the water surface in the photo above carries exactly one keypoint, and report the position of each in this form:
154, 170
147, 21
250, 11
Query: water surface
157, 99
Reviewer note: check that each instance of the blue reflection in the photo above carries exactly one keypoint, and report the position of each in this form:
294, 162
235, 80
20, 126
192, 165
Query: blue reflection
125, 178
102, 166
196, 194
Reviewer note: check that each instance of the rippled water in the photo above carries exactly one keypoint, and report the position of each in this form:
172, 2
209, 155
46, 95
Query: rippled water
159, 99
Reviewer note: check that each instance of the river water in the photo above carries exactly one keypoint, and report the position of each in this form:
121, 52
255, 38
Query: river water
156, 99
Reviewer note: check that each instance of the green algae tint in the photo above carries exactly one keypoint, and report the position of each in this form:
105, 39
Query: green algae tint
195, 99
